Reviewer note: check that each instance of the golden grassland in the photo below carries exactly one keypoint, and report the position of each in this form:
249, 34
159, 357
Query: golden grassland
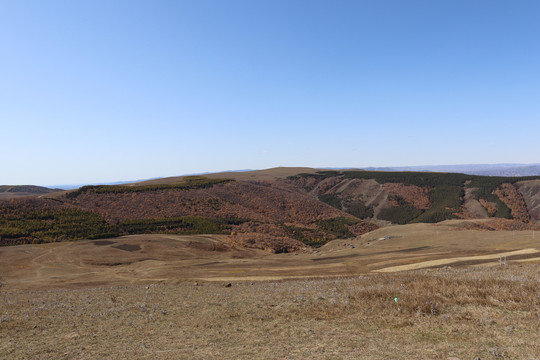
166, 297
446, 313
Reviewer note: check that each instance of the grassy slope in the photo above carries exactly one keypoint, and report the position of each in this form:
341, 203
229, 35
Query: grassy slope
439, 314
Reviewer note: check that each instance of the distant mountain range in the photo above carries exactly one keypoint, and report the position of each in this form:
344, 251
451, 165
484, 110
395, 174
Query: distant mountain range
508, 170
472, 169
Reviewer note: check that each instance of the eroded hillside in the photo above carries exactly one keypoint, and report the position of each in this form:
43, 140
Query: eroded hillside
531, 195
400, 198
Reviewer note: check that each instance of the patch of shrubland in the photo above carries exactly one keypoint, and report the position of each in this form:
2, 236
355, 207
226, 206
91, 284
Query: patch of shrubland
50, 225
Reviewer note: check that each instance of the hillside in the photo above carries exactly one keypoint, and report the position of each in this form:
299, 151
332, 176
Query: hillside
272, 216
412, 197
14, 191
278, 210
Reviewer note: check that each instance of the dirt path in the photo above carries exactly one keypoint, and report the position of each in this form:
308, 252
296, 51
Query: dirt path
432, 263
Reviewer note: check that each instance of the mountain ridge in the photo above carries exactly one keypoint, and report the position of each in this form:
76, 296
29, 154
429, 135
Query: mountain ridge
279, 209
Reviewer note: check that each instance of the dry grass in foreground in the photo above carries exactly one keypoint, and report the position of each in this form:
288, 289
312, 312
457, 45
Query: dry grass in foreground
468, 313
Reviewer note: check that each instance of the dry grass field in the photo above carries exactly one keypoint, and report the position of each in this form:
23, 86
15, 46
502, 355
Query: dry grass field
466, 313
165, 258
166, 297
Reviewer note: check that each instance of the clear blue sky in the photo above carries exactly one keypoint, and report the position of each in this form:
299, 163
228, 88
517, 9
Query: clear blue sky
105, 90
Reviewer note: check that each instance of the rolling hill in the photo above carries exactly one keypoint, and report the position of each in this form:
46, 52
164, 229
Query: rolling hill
279, 210
15, 191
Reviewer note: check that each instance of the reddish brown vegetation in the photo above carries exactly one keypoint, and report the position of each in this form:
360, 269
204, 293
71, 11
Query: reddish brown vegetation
266, 204
414, 195
278, 215
256, 201
489, 206
515, 202
362, 228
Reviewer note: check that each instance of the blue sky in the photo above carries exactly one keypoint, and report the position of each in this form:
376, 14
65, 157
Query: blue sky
97, 91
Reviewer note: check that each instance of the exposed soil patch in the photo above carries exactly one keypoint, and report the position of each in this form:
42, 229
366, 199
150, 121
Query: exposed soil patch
209, 263
128, 247
103, 242
115, 263
337, 257
531, 194
412, 249
490, 207
408, 250
208, 246
473, 209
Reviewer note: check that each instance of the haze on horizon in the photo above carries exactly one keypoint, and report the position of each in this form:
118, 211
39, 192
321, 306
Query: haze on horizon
121, 90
